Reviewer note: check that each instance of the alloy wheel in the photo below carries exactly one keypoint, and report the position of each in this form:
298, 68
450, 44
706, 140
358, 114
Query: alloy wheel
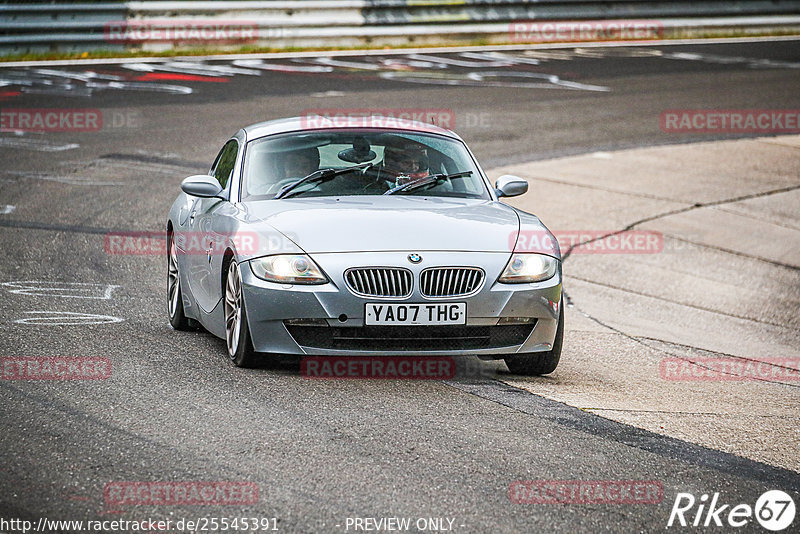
233, 309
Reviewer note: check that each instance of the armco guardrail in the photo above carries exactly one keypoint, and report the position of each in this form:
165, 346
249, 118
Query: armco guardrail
66, 26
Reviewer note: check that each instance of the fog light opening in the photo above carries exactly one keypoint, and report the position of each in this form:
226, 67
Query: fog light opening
306, 322
516, 320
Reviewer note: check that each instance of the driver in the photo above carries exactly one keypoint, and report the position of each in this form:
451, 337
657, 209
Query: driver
300, 163
404, 162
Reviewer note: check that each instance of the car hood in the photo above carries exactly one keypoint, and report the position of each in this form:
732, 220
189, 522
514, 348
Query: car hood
383, 223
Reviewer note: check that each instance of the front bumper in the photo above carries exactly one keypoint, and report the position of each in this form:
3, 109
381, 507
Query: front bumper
329, 319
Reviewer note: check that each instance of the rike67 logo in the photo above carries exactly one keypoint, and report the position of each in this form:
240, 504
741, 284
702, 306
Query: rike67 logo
774, 510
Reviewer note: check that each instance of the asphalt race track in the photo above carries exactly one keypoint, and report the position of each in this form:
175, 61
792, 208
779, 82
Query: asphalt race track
321, 453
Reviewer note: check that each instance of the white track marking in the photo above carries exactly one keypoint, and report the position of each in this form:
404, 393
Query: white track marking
259, 64
39, 145
62, 318
617, 52
327, 94
483, 63
142, 86
550, 55
73, 290
62, 83
401, 63
183, 67
84, 76
360, 65
490, 79
553, 81
212, 70
489, 56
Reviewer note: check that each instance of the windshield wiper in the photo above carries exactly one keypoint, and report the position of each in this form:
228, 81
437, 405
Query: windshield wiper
322, 175
427, 180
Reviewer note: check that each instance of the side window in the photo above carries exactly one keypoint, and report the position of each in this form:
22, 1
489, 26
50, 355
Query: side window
226, 160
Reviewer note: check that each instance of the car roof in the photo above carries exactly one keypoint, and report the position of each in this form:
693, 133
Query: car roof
319, 122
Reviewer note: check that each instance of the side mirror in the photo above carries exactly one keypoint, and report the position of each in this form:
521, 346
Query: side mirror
201, 185
509, 185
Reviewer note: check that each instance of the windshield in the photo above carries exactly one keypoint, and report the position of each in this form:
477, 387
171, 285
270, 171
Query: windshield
279, 162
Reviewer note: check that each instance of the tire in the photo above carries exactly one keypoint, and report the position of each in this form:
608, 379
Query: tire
539, 363
237, 333
177, 318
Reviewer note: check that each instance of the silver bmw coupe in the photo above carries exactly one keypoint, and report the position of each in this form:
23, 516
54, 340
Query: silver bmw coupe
365, 238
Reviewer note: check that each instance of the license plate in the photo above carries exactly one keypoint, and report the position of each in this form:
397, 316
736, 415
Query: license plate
416, 314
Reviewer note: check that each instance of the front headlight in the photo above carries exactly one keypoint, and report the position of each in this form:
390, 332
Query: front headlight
522, 268
288, 269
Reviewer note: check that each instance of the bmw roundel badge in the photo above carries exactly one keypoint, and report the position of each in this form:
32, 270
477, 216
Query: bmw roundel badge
414, 258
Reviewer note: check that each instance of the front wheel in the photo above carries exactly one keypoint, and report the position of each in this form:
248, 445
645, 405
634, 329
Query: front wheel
177, 318
539, 363
237, 333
